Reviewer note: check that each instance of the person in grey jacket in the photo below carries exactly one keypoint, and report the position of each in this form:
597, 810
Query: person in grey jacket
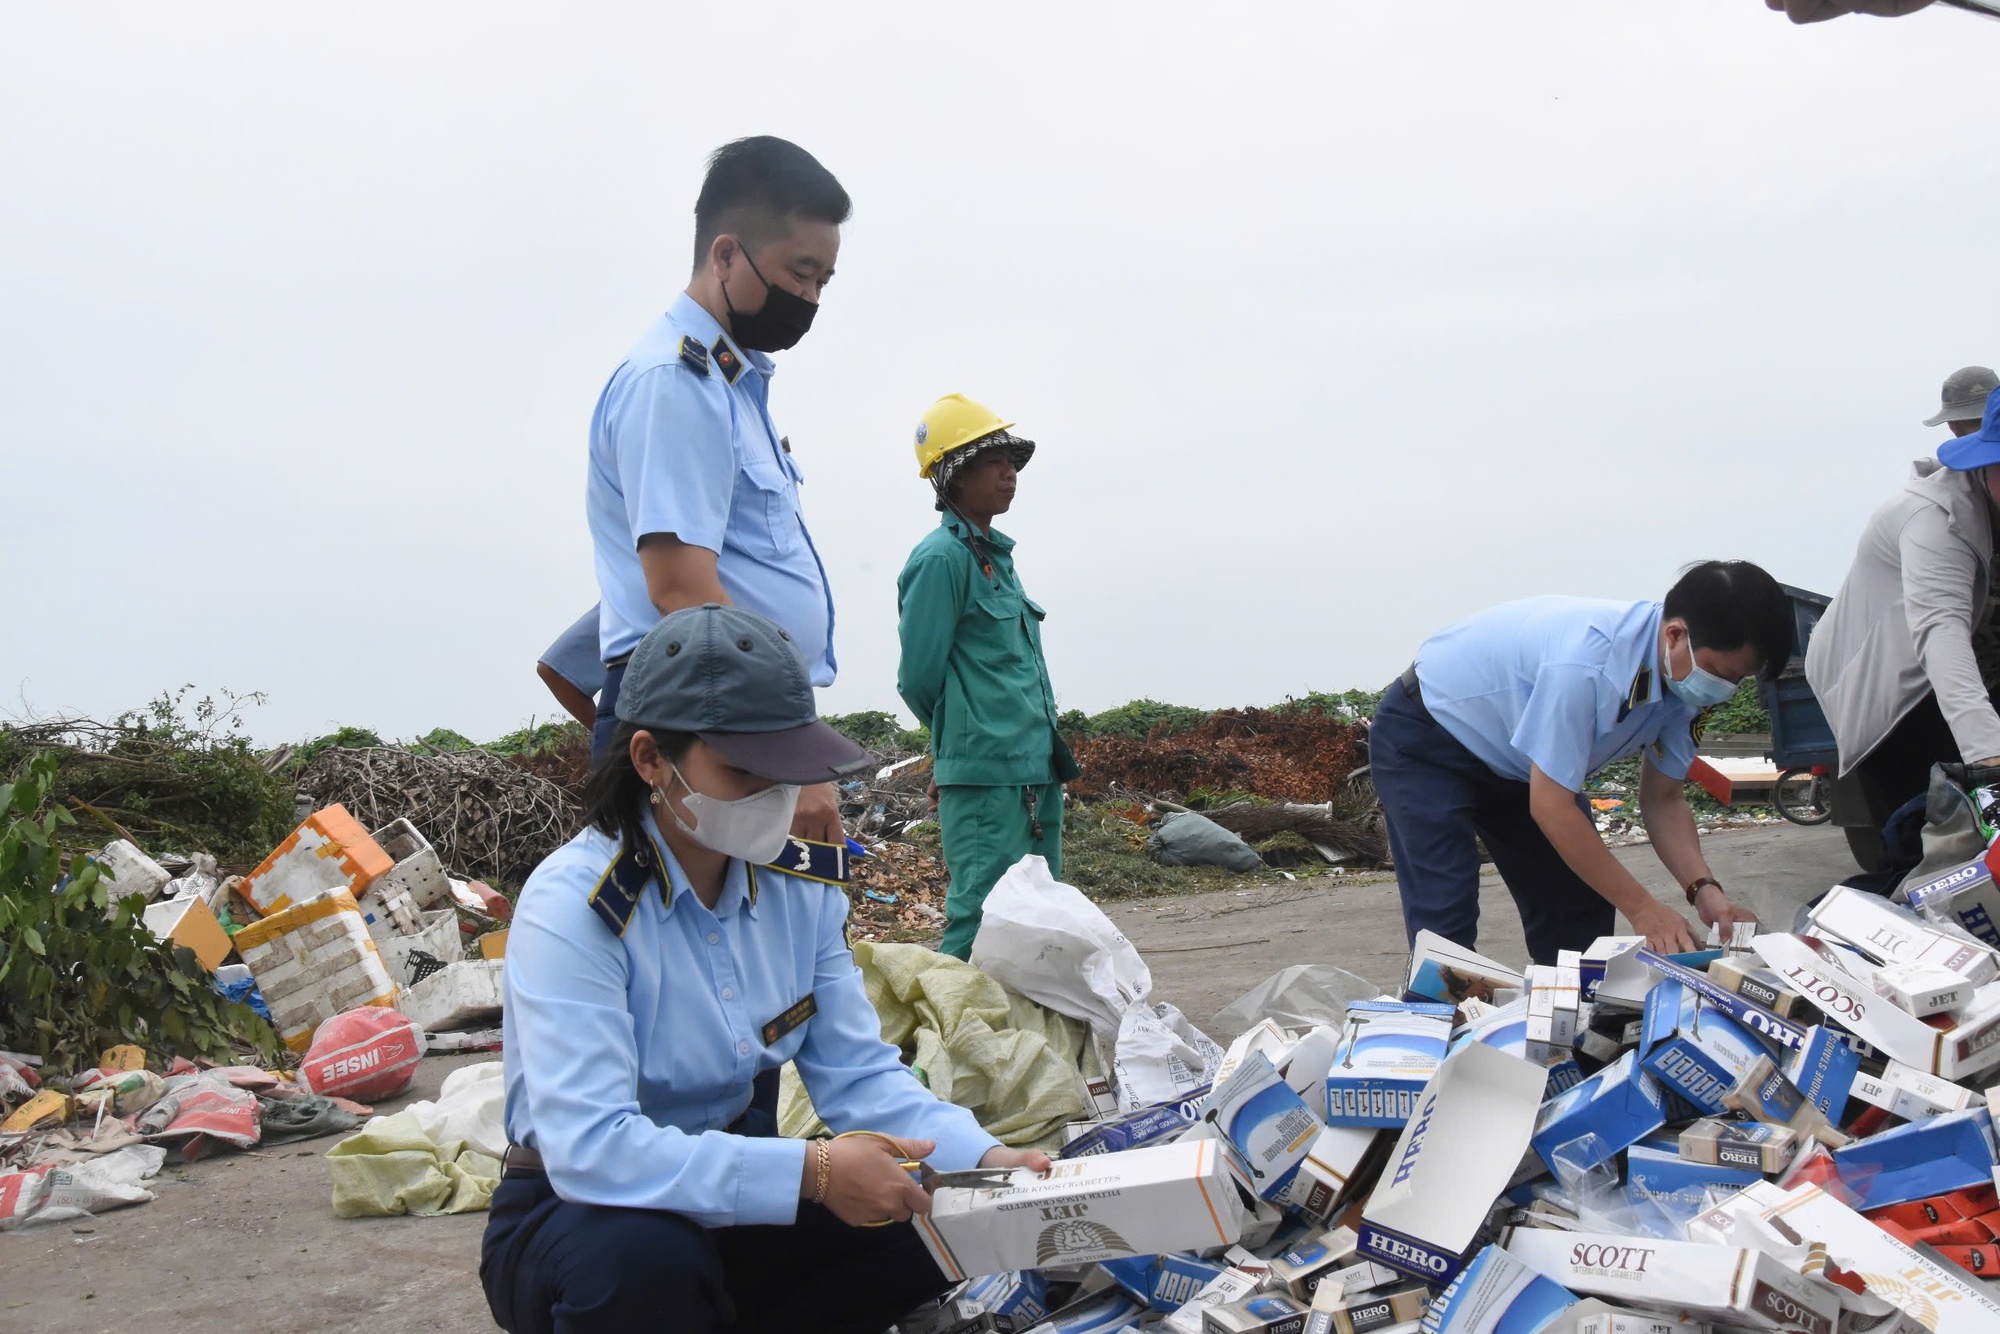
1905, 659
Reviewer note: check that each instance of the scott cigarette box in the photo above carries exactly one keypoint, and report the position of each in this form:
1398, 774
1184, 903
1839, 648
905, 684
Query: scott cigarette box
1472, 1127
1964, 896
1170, 1197
1618, 1106
1749, 1146
1970, 1044
1340, 1161
1265, 1122
1742, 1287
1889, 934
1497, 1294
1388, 1051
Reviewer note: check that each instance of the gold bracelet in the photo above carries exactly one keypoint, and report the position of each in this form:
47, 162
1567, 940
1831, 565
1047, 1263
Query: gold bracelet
825, 1151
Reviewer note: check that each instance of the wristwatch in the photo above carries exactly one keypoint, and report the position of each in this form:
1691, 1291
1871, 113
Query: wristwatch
1695, 888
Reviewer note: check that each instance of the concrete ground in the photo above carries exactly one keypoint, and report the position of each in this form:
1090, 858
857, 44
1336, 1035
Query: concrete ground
248, 1241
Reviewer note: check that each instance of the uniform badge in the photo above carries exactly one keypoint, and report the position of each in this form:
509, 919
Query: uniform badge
795, 1014
726, 360
693, 355
1698, 728
809, 860
622, 885
1642, 689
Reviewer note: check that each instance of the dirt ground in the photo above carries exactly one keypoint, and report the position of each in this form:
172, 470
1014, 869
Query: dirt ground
248, 1242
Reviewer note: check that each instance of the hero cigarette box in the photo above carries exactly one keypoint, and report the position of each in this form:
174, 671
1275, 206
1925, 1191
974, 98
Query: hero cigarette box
1888, 934
1171, 1197
1135, 1130
1964, 896
1655, 1170
1309, 1260
1922, 989
1506, 1028
1746, 978
1919, 1160
1388, 1051
1744, 1287
1497, 1294
1824, 1070
1266, 1123
1694, 1049
1747, 1145
1592, 962
1617, 1106
1340, 1314
1473, 1124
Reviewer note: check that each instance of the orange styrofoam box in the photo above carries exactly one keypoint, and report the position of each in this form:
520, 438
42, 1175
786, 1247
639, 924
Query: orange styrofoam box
329, 851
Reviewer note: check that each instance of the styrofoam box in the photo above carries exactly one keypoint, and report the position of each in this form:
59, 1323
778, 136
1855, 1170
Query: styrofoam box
418, 871
455, 995
312, 961
439, 937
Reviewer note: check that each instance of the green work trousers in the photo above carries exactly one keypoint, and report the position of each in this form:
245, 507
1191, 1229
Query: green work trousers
986, 830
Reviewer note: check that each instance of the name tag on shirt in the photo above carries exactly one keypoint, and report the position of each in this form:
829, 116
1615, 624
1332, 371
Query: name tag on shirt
798, 1012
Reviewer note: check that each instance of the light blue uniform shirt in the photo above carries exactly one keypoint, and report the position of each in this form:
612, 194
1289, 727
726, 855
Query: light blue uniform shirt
674, 449
574, 656
1565, 684
626, 1057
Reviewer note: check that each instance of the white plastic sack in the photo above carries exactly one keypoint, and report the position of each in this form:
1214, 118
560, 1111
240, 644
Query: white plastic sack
1046, 941
78, 1190
1160, 1057
1304, 995
469, 1107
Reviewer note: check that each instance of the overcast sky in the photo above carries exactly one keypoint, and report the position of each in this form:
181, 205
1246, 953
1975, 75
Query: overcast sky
1333, 326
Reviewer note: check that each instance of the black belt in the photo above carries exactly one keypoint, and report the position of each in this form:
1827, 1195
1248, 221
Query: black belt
521, 1159
1408, 680
618, 661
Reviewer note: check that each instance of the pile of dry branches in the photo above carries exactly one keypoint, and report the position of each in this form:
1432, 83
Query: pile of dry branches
489, 818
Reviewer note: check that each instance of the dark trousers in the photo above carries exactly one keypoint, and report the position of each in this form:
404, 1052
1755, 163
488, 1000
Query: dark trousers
1437, 796
607, 712
550, 1266
1899, 768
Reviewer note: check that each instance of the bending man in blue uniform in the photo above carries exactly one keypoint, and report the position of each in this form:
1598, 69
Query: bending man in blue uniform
693, 496
656, 967
1504, 715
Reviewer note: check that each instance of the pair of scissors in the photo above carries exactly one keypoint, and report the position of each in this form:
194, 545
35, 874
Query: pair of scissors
931, 1180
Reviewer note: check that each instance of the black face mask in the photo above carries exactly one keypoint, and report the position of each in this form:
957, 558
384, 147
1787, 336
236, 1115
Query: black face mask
781, 323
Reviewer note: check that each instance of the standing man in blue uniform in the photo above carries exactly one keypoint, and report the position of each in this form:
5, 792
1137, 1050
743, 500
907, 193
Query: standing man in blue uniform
693, 494
655, 969
1504, 715
573, 671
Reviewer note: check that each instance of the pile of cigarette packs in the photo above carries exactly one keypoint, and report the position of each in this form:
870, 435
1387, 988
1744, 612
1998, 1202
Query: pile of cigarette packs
1790, 1134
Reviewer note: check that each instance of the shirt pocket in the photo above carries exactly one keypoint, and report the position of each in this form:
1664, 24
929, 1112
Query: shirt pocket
763, 515
998, 626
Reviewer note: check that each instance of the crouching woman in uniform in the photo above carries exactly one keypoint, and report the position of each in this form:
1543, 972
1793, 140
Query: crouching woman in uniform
659, 972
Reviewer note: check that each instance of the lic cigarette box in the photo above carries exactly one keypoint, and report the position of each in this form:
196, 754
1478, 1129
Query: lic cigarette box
1693, 1048
1912, 1094
1456, 1155
1743, 1287
1964, 896
1388, 1051
1265, 1313
1888, 934
1171, 1197
1969, 1045
1748, 979
1922, 989
1265, 1121
1442, 970
1302, 1267
1497, 1294
1619, 1105
1748, 1145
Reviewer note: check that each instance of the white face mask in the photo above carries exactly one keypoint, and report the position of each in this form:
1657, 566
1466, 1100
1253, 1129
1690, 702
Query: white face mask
751, 829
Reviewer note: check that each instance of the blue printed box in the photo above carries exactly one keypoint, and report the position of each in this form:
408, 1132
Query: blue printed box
1655, 1171
1388, 1051
1693, 1048
1616, 1107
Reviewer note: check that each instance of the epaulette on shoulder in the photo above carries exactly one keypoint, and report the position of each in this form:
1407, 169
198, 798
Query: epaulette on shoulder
693, 355
802, 857
623, 884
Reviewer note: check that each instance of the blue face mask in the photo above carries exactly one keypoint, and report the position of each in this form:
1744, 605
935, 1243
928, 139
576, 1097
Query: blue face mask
1702, 689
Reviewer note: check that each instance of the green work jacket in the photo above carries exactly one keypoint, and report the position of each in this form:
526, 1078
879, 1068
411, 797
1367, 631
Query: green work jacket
972, 667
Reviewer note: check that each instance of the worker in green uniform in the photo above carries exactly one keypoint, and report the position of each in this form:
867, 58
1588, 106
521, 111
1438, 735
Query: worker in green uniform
972, 667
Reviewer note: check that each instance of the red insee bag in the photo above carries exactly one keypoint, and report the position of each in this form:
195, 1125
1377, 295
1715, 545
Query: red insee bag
368, 1053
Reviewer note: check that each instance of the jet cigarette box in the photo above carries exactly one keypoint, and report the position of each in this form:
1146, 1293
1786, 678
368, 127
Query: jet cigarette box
1171, 1197
1912, 1094
1954, 1301
1748, 1145
1922, 989
1388, 1051
1743, 1287
1888, 934
1746, 978
1969, 1044
1634, 1322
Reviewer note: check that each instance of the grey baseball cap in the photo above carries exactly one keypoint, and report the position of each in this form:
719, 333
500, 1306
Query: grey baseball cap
739, 683
1965, 394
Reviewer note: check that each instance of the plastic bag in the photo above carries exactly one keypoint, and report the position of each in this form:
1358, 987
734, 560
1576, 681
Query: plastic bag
1160, 1056
198, 1108
1046, 941
368, 1053
1192, 839
1305, 995
50, 1194
302, 1116
128, 1091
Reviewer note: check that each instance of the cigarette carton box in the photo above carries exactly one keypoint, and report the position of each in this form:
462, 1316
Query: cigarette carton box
1965, 897
1136, 1130
1097, 1313
1228, 1287
1497, 1294
1337, 1313
1949, 1300
1764, 1094
1606, 1321
1655, 1171
1922, 989
1364, 1276
1746, 977
1265, 1122
1441, 970
1718, 1225
1912, 1094
1264, 1036
1171, 1197
1746, 1145
1301, 1267
1022, 1297
1618, 1106
1164, 1282
1824, 1070
1970, 1044
1742, 1287
1265, 1313
1693, 1048
1774, 1029
1593, 961
1341, 1161
1388, 1052
1506, 1029
1919, 1160
1889, 934
1473, 1124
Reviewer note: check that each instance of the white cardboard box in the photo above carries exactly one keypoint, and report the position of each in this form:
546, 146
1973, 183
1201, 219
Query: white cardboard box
1473, 1124
1742, 1287
1170, 1197
1971, 1045
1950, 1300
1889, 934
1922, 989
1911, 1094
456, 995
437, 936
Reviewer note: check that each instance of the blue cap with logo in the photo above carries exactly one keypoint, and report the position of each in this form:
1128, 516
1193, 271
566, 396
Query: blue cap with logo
738, 682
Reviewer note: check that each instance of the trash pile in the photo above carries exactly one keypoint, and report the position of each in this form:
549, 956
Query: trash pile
1286, 753
1790, 1133
360, 950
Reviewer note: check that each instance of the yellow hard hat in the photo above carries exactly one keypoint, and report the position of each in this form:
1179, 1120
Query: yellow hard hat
952, 422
